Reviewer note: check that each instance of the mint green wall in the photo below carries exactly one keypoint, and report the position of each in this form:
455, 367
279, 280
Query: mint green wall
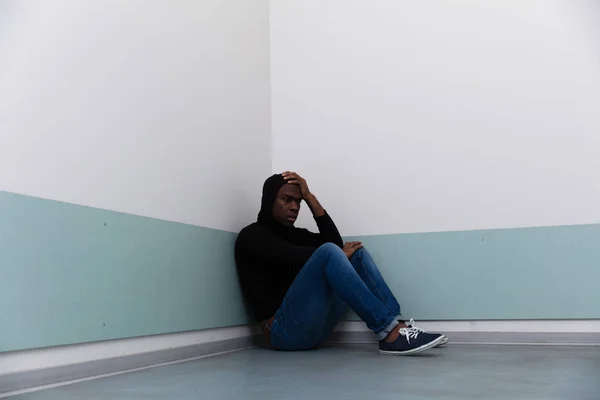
71, 274
529, 273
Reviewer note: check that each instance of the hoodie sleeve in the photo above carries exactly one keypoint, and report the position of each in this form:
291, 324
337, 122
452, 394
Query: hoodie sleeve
328, 231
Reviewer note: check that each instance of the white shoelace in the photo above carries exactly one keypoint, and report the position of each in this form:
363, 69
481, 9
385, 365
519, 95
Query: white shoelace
411, 323
409, 333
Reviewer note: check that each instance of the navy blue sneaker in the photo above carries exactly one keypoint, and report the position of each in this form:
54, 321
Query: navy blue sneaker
410, 341
411, 324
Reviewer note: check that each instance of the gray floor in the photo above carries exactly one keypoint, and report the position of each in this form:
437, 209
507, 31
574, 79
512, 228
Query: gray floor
359, 372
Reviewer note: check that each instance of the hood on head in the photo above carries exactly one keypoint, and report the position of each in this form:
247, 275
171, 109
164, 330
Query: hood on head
270, 190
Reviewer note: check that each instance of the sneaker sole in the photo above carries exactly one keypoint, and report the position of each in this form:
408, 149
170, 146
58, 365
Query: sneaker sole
426, 346
443, 342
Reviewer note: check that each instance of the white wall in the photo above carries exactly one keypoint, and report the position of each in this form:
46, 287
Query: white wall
409, 116
156, 108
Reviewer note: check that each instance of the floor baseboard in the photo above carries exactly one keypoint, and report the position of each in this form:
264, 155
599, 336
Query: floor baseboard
530, 338
542, 332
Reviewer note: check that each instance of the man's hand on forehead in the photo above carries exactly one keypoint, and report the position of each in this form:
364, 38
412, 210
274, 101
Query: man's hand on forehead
295, 179
314, 205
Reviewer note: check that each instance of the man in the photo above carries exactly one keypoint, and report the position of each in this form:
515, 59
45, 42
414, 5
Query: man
298, 284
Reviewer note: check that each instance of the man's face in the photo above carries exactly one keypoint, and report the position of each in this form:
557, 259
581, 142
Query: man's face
287, 204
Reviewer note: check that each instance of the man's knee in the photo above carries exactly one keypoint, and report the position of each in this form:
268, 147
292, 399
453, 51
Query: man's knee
330, 249
360, 252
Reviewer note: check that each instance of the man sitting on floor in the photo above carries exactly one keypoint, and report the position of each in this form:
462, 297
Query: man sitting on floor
299, 284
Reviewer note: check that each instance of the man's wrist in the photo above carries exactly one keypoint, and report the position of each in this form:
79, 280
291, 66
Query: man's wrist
310, 199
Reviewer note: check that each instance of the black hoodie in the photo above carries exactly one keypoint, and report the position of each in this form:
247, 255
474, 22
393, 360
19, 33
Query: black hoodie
269, 255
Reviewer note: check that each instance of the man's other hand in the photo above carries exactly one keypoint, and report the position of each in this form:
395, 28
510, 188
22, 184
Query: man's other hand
351, 247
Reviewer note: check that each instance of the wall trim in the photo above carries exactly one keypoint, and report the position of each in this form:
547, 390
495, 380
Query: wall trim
532, 332
36, 369
559, 325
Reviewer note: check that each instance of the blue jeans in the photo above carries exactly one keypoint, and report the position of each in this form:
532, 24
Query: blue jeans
321, 293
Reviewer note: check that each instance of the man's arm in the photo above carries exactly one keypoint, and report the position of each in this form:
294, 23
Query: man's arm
327, 229
314, 205
329, 232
